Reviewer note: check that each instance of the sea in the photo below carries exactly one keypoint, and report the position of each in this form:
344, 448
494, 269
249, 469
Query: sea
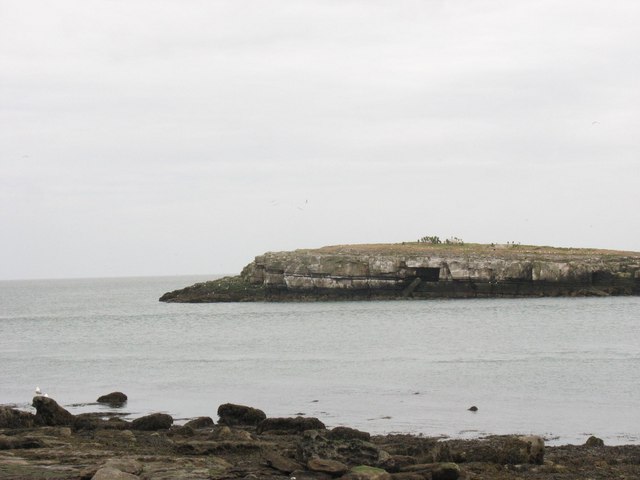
563, 368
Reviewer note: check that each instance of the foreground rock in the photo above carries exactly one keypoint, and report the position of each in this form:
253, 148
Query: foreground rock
419, 270
48, 412
230, 452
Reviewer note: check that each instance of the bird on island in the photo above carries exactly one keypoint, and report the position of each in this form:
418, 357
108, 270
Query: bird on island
38, 392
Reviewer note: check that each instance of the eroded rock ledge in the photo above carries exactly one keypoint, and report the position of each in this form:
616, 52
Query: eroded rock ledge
412, 270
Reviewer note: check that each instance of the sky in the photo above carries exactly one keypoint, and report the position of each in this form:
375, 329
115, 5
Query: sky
166, 137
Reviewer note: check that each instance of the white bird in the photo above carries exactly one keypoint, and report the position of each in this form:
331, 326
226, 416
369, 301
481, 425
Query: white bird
38, 392
46, 395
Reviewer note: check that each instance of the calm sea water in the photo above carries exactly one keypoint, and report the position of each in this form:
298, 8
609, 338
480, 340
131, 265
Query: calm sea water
563, 368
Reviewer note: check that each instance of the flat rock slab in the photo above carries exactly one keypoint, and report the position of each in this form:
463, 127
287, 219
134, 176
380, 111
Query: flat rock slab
331, 467
281, 463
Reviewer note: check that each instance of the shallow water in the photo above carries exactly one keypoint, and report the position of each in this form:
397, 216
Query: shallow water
564, 368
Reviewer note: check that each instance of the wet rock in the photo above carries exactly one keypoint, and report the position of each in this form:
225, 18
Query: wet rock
314, 444
114, 399
331, 467
290, 425
107, 473
594, 441
200, 422
281, 463
232, 414
346, 433
48, 412
155, 421
12, 418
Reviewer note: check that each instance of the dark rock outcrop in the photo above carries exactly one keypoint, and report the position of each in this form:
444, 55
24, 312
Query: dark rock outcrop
155, 421
114, 399
231, 414
594, 441
290, 425
347, 433
48, 412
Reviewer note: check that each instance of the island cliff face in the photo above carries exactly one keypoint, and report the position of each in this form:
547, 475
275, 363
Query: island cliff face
416, 270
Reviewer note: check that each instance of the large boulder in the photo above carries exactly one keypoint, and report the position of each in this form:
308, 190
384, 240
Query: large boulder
594, 441
114, 399
200, 422
155, 421
290, 425
49, 413
232, 414
12, 418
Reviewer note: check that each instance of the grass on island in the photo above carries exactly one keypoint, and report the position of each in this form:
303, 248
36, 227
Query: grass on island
501, 250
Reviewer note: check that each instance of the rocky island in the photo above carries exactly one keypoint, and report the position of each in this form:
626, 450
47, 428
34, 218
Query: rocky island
423, 270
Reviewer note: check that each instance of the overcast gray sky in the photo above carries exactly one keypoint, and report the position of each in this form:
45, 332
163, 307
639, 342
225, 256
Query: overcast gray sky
156, 137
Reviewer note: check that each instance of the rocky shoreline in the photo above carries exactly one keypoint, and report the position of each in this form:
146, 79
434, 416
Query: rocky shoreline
246, 444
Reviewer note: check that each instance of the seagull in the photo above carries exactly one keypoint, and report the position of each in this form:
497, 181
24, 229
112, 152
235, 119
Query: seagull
38, 392
46, 395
